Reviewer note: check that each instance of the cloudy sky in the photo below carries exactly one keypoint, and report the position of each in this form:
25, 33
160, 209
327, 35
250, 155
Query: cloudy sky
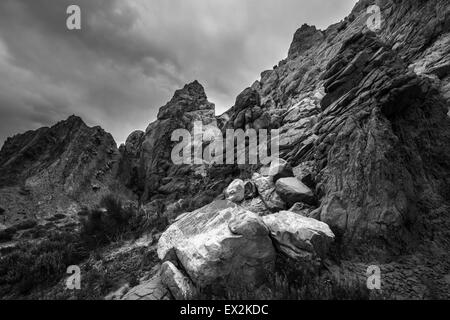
131, 55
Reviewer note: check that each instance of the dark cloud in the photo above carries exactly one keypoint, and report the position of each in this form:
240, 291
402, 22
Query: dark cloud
131, 55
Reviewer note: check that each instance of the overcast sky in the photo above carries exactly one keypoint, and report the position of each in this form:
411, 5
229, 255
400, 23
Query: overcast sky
131, 55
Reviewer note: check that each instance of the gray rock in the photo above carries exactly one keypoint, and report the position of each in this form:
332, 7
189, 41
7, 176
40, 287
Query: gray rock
153, 289
220, 245
280, 168
236, 191
305, 173
266, 190
177, 283
299, 237
292, 191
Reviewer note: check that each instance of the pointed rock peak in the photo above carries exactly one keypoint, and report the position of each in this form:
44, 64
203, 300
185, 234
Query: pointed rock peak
193, 90
304, 38
247, 99
73, 120
194, 85
191, 98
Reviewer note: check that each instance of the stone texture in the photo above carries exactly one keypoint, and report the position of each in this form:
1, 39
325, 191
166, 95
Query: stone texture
236, 191
51, 170
363, 119
291, 190
149, 290
280, 168
177, 283
299, 237
160, 175
220, 245
266, 190
306, 174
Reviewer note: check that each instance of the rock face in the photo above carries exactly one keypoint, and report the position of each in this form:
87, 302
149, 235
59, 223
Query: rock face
364, 142
178, 284
161, 178
153, 289
298, 237
220, 245
51, 170
381, 123
130, 171
304, 39
362, 117
65, 151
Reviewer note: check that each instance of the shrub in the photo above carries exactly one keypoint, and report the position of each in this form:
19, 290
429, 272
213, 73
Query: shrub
107, 223
39, 263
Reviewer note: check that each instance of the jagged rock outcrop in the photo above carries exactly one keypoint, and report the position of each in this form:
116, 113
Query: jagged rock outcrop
52, 170
393, 119
362, 116
304, 39
365, 148
161, 176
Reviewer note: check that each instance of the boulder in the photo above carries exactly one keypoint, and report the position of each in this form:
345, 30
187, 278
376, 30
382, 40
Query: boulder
266, 190
236, 191
177, 283
280, 168
299, 237
292, 191
262, 183
220, 245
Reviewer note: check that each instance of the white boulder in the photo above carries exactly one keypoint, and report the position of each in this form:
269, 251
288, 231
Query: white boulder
299, 237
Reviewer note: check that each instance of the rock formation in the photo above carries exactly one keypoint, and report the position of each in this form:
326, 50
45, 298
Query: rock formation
54, 170
364, 172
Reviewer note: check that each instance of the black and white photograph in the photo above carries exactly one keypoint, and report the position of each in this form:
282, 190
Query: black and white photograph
246, 152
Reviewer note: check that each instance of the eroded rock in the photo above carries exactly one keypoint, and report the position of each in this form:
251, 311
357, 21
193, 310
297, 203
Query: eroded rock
236, 191
299, 237
177, 283
153, 289
220, 245
292, 191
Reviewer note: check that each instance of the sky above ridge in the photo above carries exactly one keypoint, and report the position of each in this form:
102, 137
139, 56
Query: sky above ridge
131, 55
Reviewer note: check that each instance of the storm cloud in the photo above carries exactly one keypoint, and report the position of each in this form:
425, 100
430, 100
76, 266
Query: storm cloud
131, 55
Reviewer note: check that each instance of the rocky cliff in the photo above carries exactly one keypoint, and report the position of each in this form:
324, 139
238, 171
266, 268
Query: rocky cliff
56, 170
364, 177
368, 111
